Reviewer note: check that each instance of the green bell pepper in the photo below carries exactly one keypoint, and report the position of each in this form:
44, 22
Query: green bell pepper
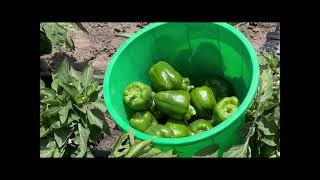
224, 108
142, 120
220, 87
155, 111
175, 104
203, 101
178, 128
200, 125
159, 130
138, 96
164, 77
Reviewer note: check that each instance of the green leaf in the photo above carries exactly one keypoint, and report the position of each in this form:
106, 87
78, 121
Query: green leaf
125, 35
61, 72
45, 44
277, 153
249, 152
80, 26
47, 92
57, 153
273, 156
142, 151
61, 135
70, 44
80, 99
84, 136
89, 154
91, 88
100, 94
76, 83
55, 84
94, 96
121, 147
87, 75
165, 154
137, 148
44, 142
96, 117
48, 96
63, 113
237, 24
77, 139
131, 136
57, 33
52, 111
269, 140
95, 134
51, 144
209, 151
245, 129
82, 108
77, 153
42, 85
100, 105
46, 153
74, 117
55, 122
76, 74
76, 79
44, 131
70, 90
67, 26
150, 153
266, 85
52, 101
268, 104
276, 112
262, 61
267, 126
271, 59
238, 151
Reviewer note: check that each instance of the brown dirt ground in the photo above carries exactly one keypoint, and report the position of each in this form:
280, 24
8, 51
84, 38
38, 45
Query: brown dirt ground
101, 43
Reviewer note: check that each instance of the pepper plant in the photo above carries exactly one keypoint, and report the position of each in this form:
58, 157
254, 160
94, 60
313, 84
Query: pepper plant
56, 35
71, 113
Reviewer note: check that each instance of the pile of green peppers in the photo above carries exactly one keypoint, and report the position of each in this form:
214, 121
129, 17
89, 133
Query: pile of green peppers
173, 107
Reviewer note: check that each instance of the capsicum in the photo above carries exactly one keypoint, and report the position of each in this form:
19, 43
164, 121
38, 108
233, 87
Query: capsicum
138, 96
203, 101
178, 128
155, 111
164, 77
142, 120
200, 125
224, 108
159, 130
175, 104
220, 87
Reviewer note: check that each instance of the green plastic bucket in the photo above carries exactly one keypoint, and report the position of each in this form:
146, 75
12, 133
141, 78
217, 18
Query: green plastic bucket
195, 50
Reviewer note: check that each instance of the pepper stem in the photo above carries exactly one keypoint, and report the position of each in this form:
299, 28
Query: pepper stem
191, 112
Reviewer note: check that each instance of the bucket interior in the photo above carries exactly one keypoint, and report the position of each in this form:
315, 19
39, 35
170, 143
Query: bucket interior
193, 49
